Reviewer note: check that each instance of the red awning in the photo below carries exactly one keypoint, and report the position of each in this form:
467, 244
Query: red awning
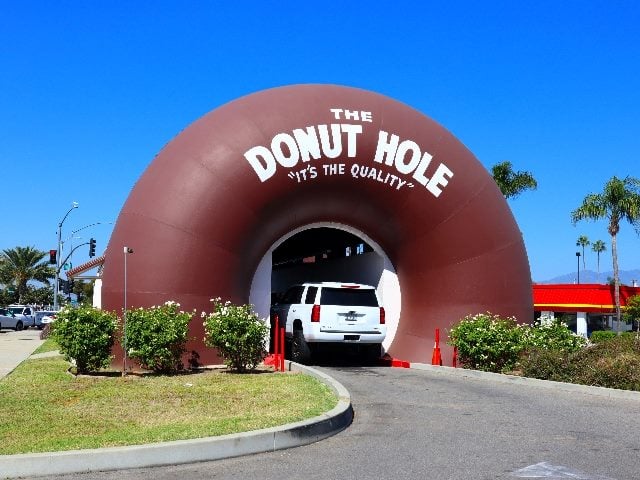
85, 266
592, 298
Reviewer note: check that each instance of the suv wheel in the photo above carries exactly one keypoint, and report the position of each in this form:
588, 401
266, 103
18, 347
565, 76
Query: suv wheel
18, 326
300, 351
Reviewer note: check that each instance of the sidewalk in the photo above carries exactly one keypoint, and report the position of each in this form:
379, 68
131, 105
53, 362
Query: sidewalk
15, 347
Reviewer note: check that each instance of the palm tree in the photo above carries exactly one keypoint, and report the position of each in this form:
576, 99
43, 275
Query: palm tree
20, 265
598, 246
619, 201
583, 241
512, 183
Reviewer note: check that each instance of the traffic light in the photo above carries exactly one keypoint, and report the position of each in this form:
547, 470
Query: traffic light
52, 256
92, 247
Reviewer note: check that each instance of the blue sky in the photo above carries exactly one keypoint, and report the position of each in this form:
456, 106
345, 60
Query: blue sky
91, 91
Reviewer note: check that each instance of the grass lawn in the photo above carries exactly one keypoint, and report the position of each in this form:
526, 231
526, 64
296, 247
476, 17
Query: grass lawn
48, 346
47, 409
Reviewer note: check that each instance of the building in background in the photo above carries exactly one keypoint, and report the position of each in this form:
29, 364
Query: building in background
585, 307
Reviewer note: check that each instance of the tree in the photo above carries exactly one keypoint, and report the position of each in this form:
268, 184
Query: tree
83, 291
583, 241
7, 296
20, 265
598, 246
620, 201
38, 295
632, 311
512, 183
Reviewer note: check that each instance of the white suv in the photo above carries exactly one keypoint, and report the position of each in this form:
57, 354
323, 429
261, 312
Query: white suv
331, 312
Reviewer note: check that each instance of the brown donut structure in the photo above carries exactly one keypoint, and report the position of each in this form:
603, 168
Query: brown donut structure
241, 178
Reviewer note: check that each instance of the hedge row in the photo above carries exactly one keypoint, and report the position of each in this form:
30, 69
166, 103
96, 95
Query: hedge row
156, 337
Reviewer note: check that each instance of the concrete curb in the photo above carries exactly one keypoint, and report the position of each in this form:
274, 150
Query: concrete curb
513, 379
190, 451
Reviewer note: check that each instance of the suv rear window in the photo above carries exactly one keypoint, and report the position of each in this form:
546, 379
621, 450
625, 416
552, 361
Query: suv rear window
311, 295
293, 295
349, 296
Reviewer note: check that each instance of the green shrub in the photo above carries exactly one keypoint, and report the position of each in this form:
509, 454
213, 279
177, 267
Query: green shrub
553, 335
157, 336
85, 335
494, 344
546, 365
487, 342
613, 363
549, 351
602, 335
237, 333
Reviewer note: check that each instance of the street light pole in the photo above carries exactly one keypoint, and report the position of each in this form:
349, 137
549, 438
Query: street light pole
55, 288
578, 257
71, 237
127, 251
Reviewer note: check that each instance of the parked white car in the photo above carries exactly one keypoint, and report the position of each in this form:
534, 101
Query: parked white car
44, 317
331, 312
25, 313
47, 319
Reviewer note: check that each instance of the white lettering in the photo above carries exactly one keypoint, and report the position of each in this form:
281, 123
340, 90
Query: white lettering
276, 147
402, 151
424, 164
336, 112
386, 149
307, 143
351, 131
440, 178
351, 115
327, 149
333, 169
328, 142
262, 162
357, 115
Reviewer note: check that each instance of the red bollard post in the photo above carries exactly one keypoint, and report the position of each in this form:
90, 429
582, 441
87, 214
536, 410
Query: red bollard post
282, 348
276, 338
436, 358
455, 357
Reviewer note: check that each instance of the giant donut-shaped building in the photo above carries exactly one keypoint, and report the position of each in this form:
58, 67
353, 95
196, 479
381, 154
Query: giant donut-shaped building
206, 215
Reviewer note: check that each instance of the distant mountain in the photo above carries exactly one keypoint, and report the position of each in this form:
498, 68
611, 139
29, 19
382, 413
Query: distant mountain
589, 276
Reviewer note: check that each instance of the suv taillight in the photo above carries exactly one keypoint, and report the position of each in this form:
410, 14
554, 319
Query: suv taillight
315, 313
382, 316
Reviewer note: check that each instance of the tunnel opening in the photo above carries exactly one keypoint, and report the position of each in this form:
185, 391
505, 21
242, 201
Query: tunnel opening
327, 253
323, 254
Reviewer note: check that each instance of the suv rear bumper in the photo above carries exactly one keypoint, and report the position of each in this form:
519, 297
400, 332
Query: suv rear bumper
345, 337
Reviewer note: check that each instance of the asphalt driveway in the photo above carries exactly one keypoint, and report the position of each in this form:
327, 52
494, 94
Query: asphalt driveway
415, 424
